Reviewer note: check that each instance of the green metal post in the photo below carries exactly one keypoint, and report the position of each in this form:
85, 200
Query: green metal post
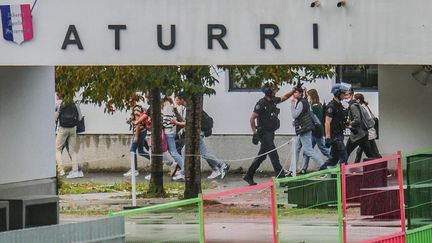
201, 218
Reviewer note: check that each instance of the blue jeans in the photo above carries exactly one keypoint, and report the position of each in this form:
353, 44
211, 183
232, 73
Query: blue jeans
172, 149
321, 145
305, 140
212, 161
139, 147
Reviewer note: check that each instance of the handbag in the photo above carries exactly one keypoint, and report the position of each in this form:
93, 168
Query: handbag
80, 128
315, 120
376, 126
164, 142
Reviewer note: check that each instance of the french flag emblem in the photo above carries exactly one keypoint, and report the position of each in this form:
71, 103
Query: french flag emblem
17, 23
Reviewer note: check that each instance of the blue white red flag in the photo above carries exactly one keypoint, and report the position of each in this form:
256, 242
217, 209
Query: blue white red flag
16, 23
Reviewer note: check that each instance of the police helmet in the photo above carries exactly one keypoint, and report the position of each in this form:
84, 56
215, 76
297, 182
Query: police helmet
268, 87
340, 88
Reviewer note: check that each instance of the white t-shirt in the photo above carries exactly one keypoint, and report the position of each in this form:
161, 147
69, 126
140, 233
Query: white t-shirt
167, 115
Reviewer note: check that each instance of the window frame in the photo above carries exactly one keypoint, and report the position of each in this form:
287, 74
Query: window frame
339, 78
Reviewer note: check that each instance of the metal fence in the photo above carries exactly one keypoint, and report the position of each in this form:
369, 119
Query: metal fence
110, 230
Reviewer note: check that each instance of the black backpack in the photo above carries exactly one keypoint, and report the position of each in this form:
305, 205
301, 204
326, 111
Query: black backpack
206, 124
68, 116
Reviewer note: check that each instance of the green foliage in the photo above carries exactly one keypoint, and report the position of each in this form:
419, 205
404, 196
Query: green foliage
253, 76
123, 186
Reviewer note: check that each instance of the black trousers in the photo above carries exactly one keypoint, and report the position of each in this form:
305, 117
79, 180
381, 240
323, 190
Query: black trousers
338, 152
364, 145
374, 148
267, 144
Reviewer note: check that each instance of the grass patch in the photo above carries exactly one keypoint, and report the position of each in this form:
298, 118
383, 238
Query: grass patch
308, 211
124, 186
83, 211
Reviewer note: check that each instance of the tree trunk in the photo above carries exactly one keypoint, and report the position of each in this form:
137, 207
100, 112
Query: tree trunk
193, 163
156, 181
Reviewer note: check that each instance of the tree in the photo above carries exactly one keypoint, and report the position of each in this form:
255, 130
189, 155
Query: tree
197, 81
119, 88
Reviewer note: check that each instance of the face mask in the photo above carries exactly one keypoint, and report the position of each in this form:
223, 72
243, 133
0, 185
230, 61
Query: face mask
344, 103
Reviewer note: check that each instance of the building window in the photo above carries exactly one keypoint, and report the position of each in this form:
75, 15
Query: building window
239, 85
361, 77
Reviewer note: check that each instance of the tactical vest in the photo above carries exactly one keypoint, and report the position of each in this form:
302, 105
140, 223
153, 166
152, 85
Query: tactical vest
303, 123
268, 120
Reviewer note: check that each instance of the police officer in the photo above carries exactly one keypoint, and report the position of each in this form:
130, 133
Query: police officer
335, 123
266, 114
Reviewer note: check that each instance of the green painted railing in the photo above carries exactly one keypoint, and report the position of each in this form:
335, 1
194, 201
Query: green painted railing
156, 207
419, 235
336, 171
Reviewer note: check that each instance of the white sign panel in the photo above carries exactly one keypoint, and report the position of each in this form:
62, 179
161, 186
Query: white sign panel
165, 32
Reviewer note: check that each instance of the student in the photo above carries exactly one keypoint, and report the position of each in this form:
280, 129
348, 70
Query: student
168, 114
304, 125
318, 132
372, 134
139, 128
264, 122
359, 129
219, 168
67, 116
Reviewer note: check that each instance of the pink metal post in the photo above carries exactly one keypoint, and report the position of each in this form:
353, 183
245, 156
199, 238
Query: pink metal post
343, 175
401, 192
273, 210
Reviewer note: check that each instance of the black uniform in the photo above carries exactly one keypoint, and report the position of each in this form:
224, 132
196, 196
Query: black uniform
268, 123
336, 111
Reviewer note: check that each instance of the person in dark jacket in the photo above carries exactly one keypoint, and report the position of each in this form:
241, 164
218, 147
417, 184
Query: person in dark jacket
266, 113
304, 125
335, 122
359, 132
318, 133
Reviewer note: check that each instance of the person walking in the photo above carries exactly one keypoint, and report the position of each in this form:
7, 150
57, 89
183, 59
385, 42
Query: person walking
359, 129
67, 116
335, 123
219, 168
370, 121
304, 125
138, 142
264, 122
318, 137
169, 128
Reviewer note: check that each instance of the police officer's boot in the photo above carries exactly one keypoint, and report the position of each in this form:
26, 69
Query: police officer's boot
249, 180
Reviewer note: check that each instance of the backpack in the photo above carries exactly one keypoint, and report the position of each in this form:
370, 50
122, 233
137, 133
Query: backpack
68, 116
367, 120
206, 124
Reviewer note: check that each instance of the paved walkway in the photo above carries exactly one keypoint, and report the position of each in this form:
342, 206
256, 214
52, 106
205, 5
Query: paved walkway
237, 218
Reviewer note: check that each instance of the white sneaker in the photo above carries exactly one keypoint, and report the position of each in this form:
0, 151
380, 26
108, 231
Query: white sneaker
80, 174
224, 170
129, 173
73, 174
148, 177
61, 173
174, 167
214, 174
179, 177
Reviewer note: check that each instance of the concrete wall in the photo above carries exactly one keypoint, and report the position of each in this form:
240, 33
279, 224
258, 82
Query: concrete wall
405, 110
111, 152
26, 124
362, 32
